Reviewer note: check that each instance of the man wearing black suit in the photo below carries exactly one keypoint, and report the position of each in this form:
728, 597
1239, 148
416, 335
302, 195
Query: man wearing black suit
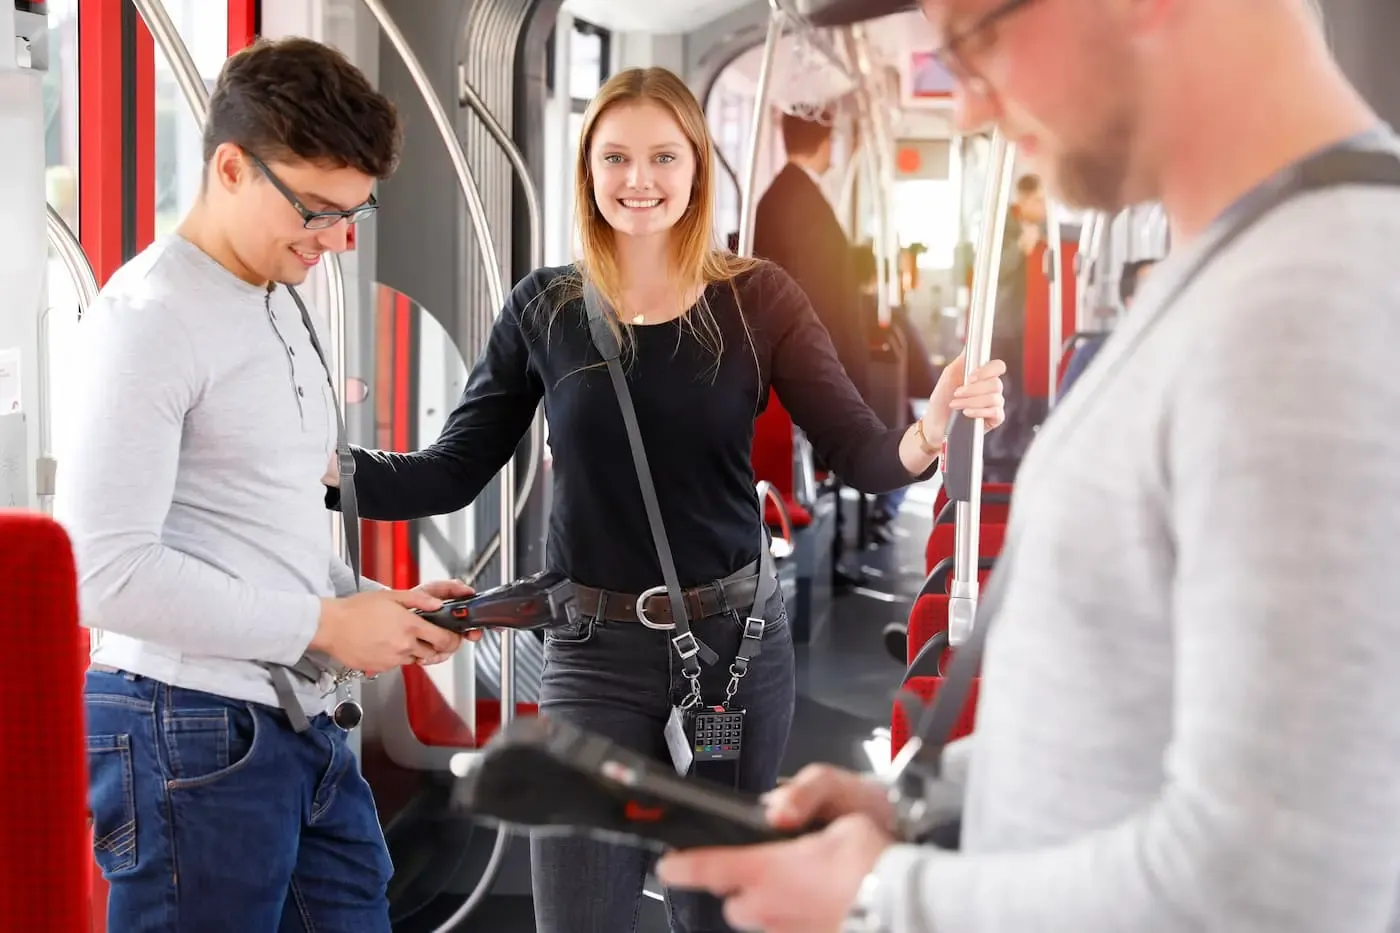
797, 228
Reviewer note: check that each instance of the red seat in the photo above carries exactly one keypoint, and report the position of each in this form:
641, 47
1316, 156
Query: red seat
46, 853
992, 512
928, 617
434, 722
773, 457
927, 688
943, 541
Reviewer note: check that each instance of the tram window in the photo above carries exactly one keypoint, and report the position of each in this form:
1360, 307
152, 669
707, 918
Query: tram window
61, 110
590, 49
729, 113
203, 25
926, 211
61, 191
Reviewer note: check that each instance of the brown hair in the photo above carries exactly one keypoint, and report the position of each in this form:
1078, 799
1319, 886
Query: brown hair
295, 98
802, 136
695, 258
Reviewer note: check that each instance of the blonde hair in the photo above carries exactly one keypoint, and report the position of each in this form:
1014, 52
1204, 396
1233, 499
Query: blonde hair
695, 258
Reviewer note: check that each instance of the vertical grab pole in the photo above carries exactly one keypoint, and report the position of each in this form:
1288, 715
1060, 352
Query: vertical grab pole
1054, 274
749, 196
880, 163
966, 437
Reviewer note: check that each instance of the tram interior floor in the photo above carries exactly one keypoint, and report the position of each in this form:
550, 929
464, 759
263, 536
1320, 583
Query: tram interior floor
845, 684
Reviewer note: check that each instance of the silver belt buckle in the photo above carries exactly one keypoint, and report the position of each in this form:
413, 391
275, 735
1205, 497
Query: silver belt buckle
642, 609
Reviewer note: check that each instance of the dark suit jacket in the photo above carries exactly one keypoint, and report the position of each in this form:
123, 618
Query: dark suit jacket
798, 230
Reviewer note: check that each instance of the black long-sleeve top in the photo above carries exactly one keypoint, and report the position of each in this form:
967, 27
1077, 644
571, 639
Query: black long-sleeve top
696, 418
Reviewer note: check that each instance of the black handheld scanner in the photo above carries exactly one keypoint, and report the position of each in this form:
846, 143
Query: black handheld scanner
553, 777
542, 600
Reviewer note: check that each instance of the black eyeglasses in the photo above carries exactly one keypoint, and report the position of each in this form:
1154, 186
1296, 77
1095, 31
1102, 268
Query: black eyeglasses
315, 220
952, 56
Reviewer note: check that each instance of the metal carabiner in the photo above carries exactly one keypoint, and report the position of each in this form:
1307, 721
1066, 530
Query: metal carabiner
642, 609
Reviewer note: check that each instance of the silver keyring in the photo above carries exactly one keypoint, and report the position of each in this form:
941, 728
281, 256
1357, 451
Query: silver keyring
642, 612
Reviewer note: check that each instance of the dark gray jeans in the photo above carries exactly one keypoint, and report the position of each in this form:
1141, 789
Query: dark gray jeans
620, 680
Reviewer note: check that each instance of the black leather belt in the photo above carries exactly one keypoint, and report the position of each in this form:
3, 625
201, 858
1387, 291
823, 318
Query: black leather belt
735, 593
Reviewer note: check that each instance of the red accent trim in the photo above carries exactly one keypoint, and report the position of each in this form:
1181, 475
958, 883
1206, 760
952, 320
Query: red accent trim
145, 137
635, 812
376, 537
100, 135
242, 24
1036, 366
405, 573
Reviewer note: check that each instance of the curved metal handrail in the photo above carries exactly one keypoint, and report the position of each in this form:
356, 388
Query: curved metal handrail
767, 492
70, 252
962, 604
468, 96
748, 197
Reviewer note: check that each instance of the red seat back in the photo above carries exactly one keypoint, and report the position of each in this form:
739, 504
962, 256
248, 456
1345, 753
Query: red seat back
773, 457
927, 688
928, 617
45, 849
943, 540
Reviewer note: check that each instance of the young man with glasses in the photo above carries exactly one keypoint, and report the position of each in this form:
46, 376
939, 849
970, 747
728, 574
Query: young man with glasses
1187, 713
223, 797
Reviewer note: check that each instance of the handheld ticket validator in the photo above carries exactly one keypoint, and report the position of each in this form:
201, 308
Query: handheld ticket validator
549, 775
542, 600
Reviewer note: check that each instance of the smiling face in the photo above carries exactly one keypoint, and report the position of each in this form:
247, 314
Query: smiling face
262, 223
1062, 80
643, 168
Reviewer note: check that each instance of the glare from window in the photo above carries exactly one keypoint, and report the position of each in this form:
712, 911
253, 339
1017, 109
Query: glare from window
203, 25
926, 211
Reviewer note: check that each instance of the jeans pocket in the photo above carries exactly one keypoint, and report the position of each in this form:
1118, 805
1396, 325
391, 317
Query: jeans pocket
112, 798
203, 745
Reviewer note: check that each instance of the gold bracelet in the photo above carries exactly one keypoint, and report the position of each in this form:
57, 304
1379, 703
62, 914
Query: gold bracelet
929, 450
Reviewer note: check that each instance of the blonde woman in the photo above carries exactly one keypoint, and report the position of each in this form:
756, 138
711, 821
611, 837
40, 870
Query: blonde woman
705, 336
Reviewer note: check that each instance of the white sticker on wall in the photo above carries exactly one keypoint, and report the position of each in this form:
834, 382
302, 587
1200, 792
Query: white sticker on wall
11, 402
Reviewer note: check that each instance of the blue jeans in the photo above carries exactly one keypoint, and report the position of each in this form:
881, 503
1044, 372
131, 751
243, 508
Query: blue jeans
211, 814
620, 680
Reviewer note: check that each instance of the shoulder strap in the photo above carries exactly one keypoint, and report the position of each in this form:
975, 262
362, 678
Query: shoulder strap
1341, 165
307, 667
605, 340
345, 460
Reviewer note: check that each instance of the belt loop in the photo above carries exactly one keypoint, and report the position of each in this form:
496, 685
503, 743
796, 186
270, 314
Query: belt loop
723, 597
601, 612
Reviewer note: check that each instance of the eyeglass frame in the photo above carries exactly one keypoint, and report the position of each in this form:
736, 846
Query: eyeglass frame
952, 61
322, 220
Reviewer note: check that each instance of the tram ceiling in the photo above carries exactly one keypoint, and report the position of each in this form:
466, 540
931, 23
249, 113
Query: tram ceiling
650, 16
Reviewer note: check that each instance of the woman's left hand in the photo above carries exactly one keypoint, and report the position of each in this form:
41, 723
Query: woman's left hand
980, 398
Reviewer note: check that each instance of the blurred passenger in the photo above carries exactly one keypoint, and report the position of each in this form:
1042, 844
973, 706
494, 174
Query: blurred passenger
1187, 709
1088, 345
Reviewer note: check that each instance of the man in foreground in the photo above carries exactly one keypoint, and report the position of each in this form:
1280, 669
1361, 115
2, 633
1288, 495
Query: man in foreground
192, 494
1187, 709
